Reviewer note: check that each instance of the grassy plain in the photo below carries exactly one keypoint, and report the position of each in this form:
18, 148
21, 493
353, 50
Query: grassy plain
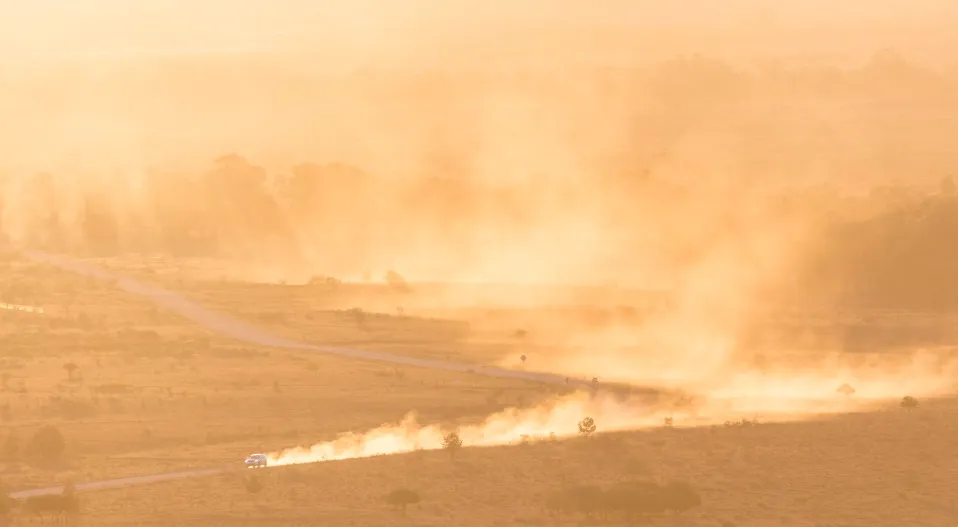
153, 393
894, 468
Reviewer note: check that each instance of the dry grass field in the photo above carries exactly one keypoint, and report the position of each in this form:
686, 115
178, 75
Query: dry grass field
894, 468
149, 393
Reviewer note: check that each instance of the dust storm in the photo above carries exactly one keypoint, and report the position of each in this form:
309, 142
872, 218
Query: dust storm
739, 207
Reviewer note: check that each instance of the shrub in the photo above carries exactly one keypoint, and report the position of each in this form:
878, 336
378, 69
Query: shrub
47, 446
909, 402
402, 498
587, 426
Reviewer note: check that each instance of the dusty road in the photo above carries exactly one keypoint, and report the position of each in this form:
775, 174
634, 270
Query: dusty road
239, 330
123, 482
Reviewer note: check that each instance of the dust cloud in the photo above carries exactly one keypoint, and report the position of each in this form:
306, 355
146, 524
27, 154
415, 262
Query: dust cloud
653, 150
559, 419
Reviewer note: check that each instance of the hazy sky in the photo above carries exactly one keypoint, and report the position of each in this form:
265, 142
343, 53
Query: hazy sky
116, 26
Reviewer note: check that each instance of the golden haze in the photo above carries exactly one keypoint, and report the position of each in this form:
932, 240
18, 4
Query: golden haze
746, 206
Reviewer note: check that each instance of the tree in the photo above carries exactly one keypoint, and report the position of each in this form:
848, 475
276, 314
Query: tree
47, 446
909, 402
452, 442
587, 426
70, 368
402, 498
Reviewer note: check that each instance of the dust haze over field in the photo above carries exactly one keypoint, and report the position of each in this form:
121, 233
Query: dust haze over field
722, 180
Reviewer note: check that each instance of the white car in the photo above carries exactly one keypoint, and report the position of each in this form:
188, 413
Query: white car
256, 460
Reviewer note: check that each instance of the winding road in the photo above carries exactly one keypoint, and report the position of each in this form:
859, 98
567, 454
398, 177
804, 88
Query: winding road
237, 329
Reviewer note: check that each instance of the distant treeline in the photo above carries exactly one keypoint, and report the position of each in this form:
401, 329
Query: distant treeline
894, 247
643, 192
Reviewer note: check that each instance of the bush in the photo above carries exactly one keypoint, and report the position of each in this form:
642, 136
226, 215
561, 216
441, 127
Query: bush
47, 446
402, 498
909, 402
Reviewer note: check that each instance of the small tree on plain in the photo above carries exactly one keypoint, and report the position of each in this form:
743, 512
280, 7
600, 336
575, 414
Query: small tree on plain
452, 443
402, 498
908, 402
587, 426
71, 369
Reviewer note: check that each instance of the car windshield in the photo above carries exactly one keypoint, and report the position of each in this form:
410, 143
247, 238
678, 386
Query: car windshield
255, 456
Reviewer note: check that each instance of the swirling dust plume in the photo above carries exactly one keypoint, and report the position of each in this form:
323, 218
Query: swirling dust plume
559, 417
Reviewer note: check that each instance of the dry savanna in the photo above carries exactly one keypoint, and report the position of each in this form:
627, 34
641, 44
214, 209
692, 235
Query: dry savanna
442, 263
130, 389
